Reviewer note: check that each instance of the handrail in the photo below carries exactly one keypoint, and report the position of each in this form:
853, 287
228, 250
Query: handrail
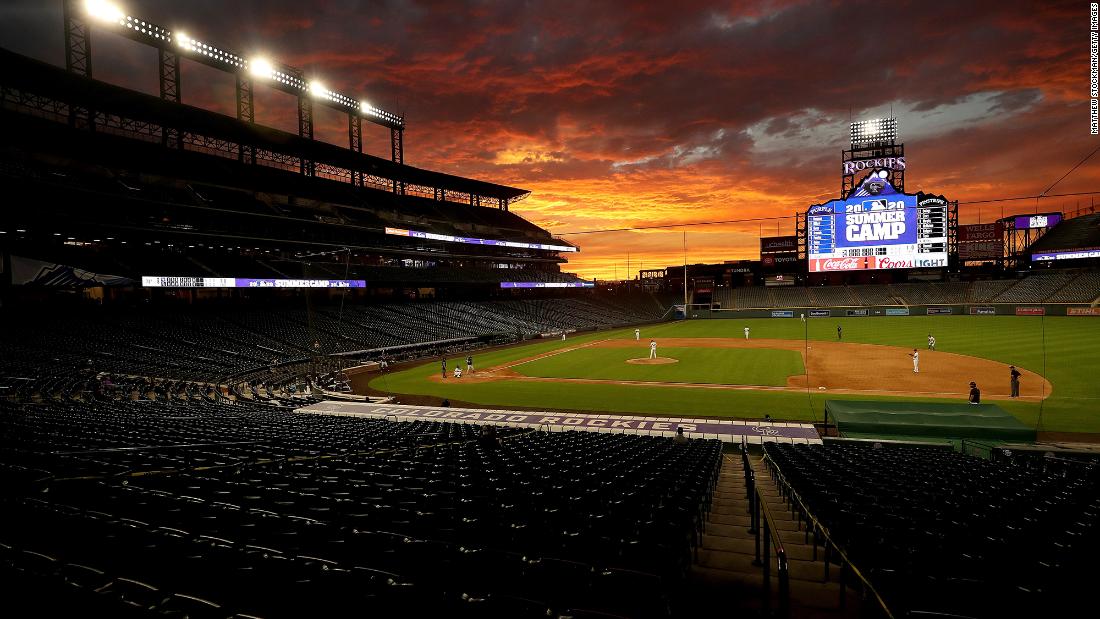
819, 528
758, 507
771, 534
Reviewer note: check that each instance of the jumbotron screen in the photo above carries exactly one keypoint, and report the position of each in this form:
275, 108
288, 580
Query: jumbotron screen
880, 229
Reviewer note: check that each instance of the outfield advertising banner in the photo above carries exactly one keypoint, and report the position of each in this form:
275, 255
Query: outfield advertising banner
782, 313
778, 244
933, 311
819, 313
1083, 311
983, 310
877, 228
897, 311
855, 312
981, 232
1030, 311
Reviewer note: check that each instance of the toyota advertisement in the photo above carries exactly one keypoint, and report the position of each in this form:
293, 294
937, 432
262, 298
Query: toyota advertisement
877, 228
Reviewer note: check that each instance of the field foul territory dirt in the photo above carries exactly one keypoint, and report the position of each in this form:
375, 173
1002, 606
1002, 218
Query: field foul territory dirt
839, 367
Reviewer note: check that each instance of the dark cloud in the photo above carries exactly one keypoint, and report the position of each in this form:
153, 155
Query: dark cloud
616, 113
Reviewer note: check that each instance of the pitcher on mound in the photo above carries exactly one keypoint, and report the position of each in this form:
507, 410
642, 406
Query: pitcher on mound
652, 349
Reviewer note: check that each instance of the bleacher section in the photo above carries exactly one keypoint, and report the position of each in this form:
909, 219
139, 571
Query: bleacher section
984, 291
1039, 286
873, 295
255, 512
942, 534
1085, 288
830, 296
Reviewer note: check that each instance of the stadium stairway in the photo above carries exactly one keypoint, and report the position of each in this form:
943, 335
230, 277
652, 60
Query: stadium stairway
724, 570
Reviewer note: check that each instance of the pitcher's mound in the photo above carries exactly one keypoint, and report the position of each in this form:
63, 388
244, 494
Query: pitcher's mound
657, 361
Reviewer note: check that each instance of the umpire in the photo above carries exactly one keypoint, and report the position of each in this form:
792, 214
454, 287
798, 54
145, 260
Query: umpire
1014, 381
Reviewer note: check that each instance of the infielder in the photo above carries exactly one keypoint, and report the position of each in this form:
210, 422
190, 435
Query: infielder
637, 334
931, 342
652, 349
746, 333
839, 333
916, 361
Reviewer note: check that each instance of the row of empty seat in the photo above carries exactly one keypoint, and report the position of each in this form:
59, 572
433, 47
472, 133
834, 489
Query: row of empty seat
217, 510
940, 532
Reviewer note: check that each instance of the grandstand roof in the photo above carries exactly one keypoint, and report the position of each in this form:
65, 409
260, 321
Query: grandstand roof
59, 86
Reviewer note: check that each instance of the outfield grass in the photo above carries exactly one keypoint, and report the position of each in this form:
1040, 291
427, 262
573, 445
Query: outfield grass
1064, 349
722, 366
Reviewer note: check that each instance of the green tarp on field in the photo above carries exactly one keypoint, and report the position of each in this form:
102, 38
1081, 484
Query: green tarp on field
987, 421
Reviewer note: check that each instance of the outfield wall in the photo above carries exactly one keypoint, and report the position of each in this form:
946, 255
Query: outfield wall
983, 309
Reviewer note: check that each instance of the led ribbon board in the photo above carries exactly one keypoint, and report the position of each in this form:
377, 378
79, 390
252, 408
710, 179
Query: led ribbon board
547, 285
877, 228
153, 281
1072, 254
472, 241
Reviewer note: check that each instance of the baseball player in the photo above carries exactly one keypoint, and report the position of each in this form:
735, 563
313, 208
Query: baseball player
931, 342
458, 372
803, 317
652, 349
443, 366
975, 393
839, 333
469, 364
563, 335
1014, 381
637, 334
916, 361
746, 333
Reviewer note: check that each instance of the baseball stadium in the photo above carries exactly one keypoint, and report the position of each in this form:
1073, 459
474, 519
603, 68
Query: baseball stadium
254, 364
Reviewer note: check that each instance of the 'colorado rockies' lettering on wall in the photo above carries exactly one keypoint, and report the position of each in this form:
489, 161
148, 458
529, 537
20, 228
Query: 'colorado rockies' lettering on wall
726, 430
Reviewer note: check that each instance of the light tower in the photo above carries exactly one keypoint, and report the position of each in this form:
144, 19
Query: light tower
874, 146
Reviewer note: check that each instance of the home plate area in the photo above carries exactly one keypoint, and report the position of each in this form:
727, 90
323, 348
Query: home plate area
727, 430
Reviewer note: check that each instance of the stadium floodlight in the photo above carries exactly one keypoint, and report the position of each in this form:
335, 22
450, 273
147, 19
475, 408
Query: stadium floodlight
261, 67
874, 131
285, 77
106, 11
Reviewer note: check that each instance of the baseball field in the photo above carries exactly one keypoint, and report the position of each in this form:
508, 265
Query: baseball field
787, 368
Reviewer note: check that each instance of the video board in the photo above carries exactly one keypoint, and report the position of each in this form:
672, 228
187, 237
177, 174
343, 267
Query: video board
877, 228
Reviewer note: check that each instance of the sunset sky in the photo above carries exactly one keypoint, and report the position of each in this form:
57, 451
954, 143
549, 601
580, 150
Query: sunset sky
622, 114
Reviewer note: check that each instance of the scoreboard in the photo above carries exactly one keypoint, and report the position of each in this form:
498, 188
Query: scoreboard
889, 231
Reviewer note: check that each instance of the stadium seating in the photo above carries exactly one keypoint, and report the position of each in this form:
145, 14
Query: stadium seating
208, 509
941, 532
984, 291
873, 295
1085, 288
1034, 288
831, 296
